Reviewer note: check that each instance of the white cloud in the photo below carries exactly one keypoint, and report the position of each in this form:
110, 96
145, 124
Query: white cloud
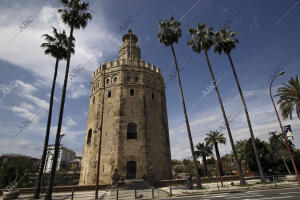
70, 121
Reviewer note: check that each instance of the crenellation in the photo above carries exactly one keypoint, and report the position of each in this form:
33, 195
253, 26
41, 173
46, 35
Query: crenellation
153, 68
109, 64
142, 63
158, 70
147, 65
116, 63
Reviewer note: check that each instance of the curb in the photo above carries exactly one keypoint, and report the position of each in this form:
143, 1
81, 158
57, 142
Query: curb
231, 191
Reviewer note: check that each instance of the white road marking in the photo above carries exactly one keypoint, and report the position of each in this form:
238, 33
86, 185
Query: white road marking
289, 193
245, 196
272, 198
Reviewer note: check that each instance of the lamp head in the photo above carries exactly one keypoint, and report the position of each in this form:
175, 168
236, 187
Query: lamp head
281, 73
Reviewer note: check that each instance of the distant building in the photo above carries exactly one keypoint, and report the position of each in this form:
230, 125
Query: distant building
64, 156
76, 164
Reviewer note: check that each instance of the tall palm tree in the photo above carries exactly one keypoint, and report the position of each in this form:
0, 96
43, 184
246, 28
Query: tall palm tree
225, 41
55, 46
169, 33
76, 16
214, 138
289, 98
204, 150
203, 40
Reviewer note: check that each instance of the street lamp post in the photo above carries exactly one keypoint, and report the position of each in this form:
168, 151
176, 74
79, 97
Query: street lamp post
281, 127
100, 136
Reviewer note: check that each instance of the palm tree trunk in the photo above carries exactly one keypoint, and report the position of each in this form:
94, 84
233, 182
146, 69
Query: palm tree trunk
221, 172
48, 196
42, 166
219, 164
205, 165
237, 162
248, 121
187, 121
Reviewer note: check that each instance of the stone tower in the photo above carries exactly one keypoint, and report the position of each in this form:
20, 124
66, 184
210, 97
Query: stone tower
135, 124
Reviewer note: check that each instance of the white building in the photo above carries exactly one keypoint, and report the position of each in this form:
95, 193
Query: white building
64, 155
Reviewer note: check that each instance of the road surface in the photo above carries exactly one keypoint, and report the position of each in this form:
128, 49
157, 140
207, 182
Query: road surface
274, 194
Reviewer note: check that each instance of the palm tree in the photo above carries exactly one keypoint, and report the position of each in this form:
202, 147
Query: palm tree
289, 98
204, 150
225, 41
203, 39
76, 16
56, 46
214, 138
169, 33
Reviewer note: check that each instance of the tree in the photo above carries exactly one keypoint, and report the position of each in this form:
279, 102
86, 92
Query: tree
75, 15
204, 150
225, 41
214, 138
56, 46
18, 168
203, 40
247, 155
289, 98
278, 149
169, 33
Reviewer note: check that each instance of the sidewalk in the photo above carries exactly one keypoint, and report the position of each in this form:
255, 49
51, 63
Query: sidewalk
228, 187
164, 192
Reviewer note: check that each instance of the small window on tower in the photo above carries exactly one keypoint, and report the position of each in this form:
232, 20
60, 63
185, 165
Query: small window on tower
107, 81
136, 79
132, 92
128, 78
94, 99
131, 131
152, 95
115, 79
88, 141
109, 93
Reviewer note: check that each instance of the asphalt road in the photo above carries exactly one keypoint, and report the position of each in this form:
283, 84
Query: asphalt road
274, 194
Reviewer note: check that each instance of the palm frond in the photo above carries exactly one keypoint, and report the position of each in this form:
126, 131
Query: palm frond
289, 98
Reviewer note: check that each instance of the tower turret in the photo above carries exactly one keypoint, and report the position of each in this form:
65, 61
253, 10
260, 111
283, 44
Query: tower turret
129, 49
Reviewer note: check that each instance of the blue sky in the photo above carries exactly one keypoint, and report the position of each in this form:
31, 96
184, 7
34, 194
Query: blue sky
268, 34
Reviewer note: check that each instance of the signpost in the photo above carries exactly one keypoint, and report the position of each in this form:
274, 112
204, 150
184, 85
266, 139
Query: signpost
288, 132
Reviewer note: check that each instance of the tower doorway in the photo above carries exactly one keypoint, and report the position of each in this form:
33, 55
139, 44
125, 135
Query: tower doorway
131, 170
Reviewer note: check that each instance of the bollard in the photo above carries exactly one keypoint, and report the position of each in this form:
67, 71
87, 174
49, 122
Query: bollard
274, 181
152, 192
170, 190
117, 195
72, 195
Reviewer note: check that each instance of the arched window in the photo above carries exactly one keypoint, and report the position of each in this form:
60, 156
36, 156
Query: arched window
109, 93
132, 92
152, 95
128, 78
131, 131
107, 81
88, 141
115, 79
136, 79
131, 170
94, 99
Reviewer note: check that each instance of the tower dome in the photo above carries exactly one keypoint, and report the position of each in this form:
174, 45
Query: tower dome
129, 49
